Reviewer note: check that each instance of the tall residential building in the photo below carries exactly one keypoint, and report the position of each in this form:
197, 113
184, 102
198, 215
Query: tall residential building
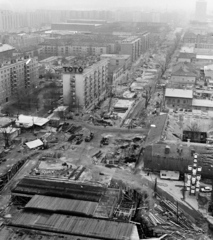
201, 10
84, 86
131, 46
15, 75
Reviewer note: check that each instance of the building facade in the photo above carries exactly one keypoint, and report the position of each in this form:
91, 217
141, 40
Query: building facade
6, 51
118, 60
18, 74
85, 88
131, 46
178, 98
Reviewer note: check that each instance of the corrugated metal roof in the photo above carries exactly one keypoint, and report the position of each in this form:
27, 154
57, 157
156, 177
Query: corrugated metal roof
77, 226
180, 93
57, 188
55, 204
9, 233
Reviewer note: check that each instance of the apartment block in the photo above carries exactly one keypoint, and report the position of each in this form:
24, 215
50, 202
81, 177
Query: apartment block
131, 46
83, 85
15, 75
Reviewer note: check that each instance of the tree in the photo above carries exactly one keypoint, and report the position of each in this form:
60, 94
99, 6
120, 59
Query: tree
193, 127
147, 95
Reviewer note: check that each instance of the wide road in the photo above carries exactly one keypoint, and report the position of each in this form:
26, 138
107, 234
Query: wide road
108, 129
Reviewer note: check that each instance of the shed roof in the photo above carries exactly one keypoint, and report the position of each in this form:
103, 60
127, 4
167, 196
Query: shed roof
8, 233
34, 144
202, 103
179, 93
55, 204
57, 188
86, 227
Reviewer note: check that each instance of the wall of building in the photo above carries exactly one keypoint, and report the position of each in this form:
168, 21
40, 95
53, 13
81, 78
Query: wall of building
184, 60
184, 80
15, 76
173, 102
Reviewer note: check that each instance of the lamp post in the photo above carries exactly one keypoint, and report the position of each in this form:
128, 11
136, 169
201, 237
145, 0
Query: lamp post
193, 177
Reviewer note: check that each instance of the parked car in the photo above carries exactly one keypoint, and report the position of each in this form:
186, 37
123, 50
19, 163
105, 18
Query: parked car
206, 189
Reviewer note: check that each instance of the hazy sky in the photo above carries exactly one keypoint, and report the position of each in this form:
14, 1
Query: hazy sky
102, 4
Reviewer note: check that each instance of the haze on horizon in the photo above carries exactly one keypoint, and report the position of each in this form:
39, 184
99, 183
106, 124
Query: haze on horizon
168, 5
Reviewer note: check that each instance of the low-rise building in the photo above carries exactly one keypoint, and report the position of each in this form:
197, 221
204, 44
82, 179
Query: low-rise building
204, 58
83, 85
202, 104
183, 75
186, 57
181, 98
17, 74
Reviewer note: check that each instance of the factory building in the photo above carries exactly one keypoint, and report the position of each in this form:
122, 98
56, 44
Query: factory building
83, 85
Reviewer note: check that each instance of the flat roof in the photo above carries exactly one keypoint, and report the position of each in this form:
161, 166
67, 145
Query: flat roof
202, 103
179, 93
205, 57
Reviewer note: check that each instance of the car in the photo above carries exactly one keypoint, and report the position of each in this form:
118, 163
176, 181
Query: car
206, 189
188, 110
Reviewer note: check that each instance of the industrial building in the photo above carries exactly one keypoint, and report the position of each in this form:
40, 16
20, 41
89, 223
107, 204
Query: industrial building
87, 27
74, 208
171, 156
15, 75
86, 86
131, 46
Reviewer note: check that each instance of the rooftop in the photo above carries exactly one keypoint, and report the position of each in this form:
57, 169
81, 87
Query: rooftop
5, 47
87, 227
204, 57
202, 103
116, 56
179, 93
130, 39
186, 55
184, 69
80, 24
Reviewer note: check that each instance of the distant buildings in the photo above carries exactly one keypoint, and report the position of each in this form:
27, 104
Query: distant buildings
86, 27
6, 51
120, 60
131, 46
17, 74
87, 85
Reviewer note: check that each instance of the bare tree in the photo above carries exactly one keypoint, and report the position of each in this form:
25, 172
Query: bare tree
194, 127
147, 95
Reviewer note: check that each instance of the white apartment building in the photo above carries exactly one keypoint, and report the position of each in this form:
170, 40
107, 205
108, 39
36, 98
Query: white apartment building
17, 74
118, 60
86, 86
131, 46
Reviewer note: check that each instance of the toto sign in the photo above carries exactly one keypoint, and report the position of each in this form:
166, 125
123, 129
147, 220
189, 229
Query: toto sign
73, 69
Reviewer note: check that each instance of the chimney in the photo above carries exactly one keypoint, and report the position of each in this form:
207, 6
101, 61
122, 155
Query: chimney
167, 149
